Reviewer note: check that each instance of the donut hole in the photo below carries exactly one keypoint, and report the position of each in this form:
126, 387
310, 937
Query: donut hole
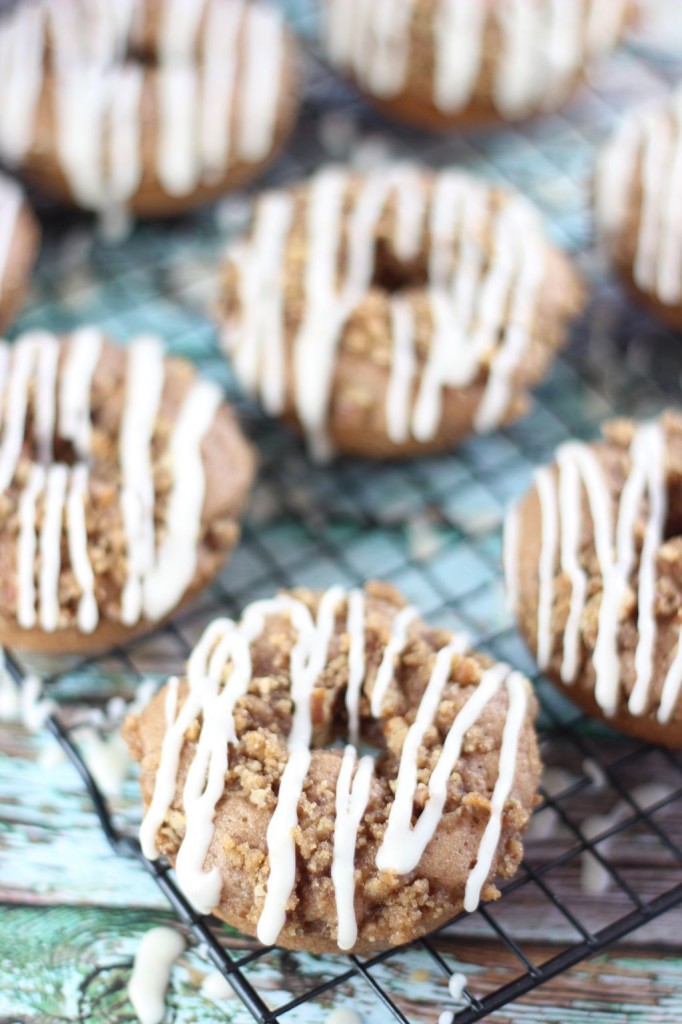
391, 274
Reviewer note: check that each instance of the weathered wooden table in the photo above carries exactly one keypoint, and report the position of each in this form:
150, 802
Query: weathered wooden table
72, 911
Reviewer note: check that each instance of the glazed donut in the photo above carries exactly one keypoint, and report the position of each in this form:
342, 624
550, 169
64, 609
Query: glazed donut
447, 63
122, 479
306, 844
639, 205
149, 105
593, 562
19, 241
394, 313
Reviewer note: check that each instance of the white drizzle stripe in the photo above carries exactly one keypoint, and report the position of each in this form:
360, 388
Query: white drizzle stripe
11, 200
616, 553
652, 440
671, 685
82, 356
570, 505
218, 84
50, 546
173, 569
44, 405
351, 803
23, 361
510, 556
518, 704
98, 99
77, 537
403, 369
403, 845
144, 387
395, 646
543, 45
258, 341
356, 662
224, 644
26, 549
644, 156
468, 299
282, 848
546, 491
264, 57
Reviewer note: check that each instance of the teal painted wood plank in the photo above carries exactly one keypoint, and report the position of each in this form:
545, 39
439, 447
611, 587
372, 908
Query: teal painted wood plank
74, 963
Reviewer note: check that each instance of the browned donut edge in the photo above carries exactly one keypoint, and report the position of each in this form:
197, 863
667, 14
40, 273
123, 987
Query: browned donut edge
41, 167
22, 256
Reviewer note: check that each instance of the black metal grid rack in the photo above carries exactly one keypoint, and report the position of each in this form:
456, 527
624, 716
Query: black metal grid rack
344, 523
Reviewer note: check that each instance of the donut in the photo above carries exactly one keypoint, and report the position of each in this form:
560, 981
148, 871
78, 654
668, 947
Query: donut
148, 105
639, 205
454, 63
394, 313
19, 241
285, 834
122, 479
593, 563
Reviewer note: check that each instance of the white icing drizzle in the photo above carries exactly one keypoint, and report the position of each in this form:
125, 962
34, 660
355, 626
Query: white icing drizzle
395, 646
26, 549
518, 703
159, 949
60, 387
646, 153
351, 802
543, 46
11, 200
579, 468
472, 304
144, 385
510, 556
88, 614
82, 357
99, 99
176, 559
356, 662
218, 675
50, 546
549, 511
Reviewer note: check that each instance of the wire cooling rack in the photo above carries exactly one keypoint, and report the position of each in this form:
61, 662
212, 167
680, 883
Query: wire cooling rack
431, 527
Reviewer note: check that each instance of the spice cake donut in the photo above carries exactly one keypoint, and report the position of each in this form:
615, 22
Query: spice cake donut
122, 479
593, 562
639, 205
277, 829
394, 313
148, 105
19, 241
453, 63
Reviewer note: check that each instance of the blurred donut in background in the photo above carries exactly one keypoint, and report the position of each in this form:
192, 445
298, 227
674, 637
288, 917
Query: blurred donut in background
450, 63
150, 106
639, 205
19, 241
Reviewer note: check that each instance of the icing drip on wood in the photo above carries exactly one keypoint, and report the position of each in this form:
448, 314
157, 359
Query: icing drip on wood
99, 99
218, 675
643, 500
473, 303
33, 378
646, 154
543, 45
159, 949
